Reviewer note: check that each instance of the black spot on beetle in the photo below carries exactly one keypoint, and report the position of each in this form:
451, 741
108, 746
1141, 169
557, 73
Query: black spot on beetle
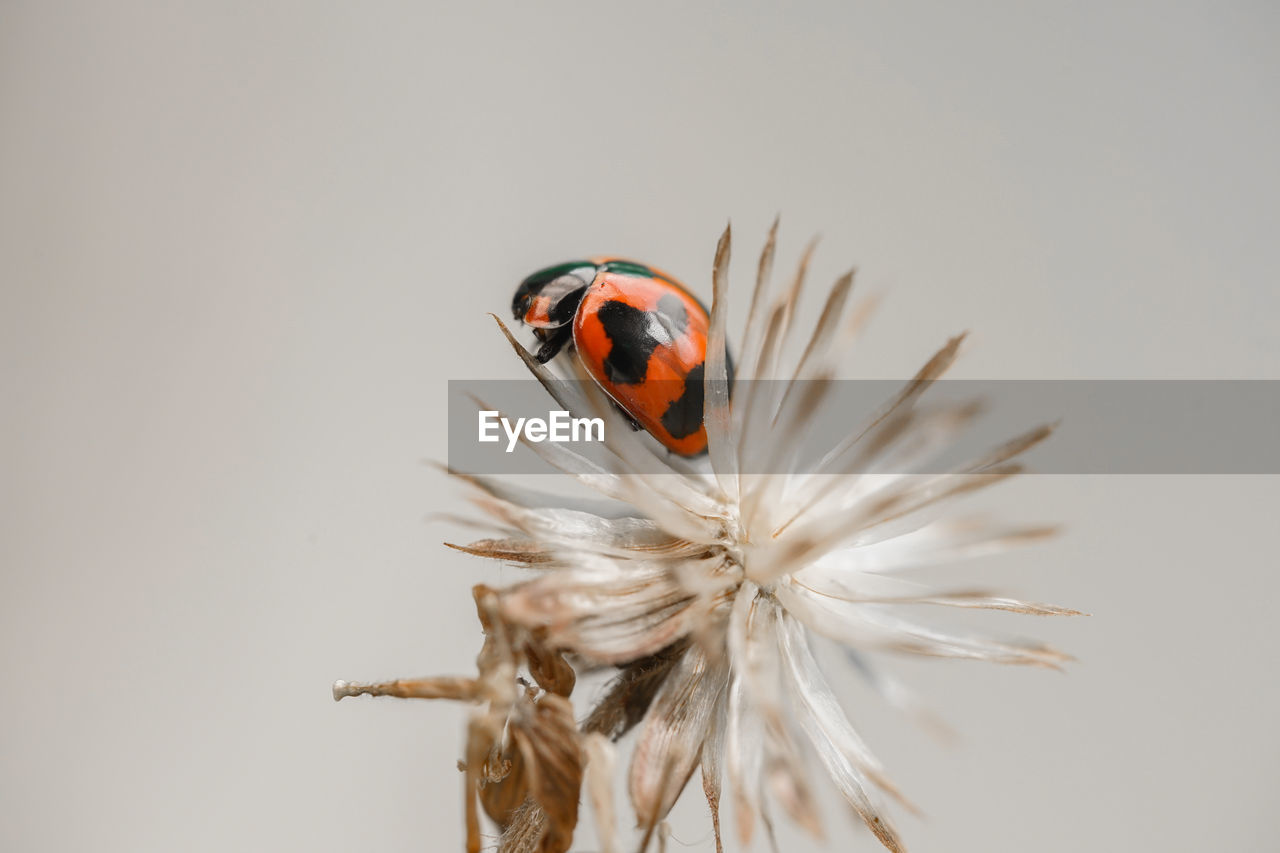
684, 416
636, 334
628, 328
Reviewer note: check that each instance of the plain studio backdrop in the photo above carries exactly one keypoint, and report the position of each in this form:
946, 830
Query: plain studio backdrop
243, 246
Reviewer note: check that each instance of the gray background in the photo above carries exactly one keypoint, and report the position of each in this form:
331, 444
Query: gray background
243, 246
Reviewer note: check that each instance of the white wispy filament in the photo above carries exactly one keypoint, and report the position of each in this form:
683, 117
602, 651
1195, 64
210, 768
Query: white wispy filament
701, 587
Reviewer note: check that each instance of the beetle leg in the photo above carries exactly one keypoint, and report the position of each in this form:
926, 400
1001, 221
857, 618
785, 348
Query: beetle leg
553, 340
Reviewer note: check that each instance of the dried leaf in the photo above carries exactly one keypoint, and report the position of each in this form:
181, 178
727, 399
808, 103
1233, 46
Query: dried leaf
631, 693
547, 738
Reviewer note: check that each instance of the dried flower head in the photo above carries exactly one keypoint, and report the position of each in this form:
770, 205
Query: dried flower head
700, 587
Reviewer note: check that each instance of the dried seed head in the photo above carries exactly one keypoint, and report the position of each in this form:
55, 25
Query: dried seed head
702, 588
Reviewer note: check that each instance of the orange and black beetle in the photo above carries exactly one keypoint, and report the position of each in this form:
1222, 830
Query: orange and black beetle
640, 334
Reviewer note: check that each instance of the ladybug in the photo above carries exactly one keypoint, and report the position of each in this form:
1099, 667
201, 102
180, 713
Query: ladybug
640, 334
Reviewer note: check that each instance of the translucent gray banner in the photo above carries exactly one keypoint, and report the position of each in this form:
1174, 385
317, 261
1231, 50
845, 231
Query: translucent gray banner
1101, 427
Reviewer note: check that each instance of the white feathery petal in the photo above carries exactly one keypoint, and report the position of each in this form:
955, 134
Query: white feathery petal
816, 358
671, 738
647, 493
711, 763
576, 530
811, 689
911, 493
892, 449
744, 727
764, 490
867, 588
895, 440
753, 328
902, 506
744, 754
946, 541
755, 653
933, 369
537, 499
721, 440
752, 408
858, 451
875, 626
786, 776
882, 526
837, 744
761, 399
787, 301
916, 501
608, 611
